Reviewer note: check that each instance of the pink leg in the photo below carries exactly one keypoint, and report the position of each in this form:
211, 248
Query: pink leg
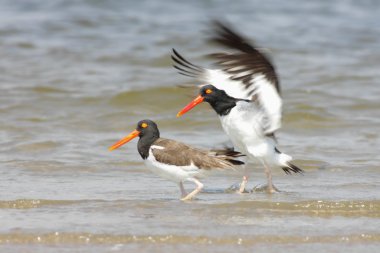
183, 191
196, 190
244, 181
270, 187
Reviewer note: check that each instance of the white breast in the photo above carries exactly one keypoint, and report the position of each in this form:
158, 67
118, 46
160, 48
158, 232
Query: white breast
244, 127
171, 172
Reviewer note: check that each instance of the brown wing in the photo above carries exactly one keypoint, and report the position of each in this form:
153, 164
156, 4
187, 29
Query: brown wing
180, 154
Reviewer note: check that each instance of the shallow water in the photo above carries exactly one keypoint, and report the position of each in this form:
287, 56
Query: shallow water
75, 76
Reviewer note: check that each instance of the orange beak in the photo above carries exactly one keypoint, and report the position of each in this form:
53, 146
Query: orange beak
191, 105
126, 139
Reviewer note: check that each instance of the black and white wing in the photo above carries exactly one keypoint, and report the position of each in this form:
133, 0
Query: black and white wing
244, 73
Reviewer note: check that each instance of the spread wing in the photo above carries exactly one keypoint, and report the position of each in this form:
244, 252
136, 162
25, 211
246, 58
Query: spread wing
244, 73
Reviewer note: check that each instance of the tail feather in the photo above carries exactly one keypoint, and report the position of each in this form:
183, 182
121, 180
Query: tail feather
226, 152
228, 155
235, 162
289, 168
284, 162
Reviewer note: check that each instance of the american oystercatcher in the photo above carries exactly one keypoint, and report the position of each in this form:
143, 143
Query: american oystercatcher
244, 91
176, 161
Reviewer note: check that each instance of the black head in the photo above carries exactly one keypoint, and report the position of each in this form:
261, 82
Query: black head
147, 127
148, 135
220, 101
148, 132
211, 94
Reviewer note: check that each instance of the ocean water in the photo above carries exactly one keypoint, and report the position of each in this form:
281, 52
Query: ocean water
76, 76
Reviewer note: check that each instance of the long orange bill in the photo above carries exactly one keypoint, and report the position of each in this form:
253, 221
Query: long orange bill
126, 139
191, 105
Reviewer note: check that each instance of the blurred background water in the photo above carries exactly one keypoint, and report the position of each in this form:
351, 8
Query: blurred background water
75, 76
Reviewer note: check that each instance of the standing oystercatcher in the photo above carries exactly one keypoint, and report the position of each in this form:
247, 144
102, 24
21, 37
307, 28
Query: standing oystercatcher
245, 93
176, 161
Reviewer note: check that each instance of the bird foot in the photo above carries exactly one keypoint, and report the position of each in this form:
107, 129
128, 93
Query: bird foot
236, 188
186, 198
191, 195
266, 188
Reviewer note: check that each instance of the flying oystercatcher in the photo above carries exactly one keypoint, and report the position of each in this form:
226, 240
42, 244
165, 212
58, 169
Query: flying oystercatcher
177, 161
245, 93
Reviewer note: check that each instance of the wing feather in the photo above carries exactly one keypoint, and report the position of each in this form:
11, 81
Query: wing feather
180, 154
